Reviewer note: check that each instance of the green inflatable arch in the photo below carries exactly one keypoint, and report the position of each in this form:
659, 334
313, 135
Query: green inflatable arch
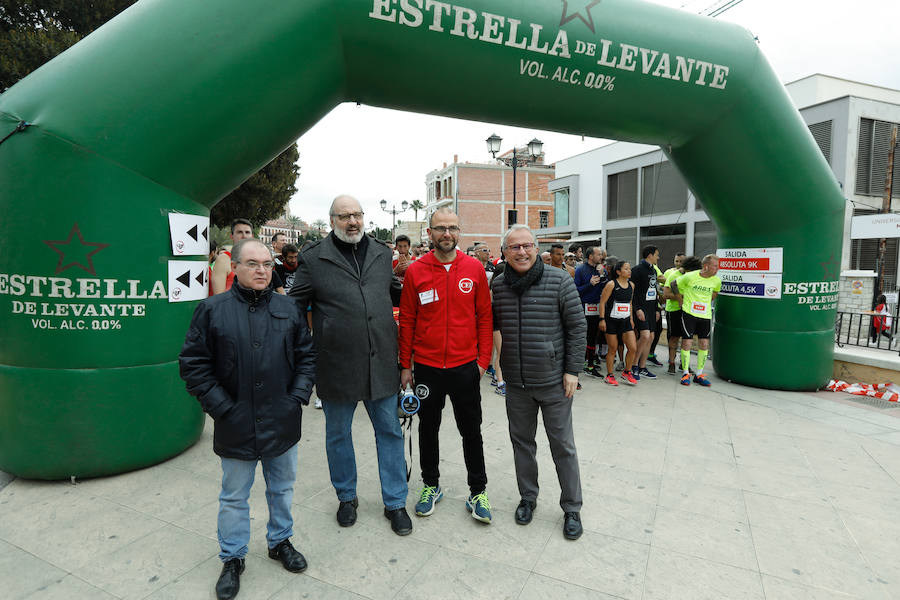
173, 104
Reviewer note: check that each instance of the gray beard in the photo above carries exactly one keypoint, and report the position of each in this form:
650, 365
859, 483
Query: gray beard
348, 239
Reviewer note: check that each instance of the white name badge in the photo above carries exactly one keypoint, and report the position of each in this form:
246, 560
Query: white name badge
591, 310
621, 310
700, 308
428, 296
651, 293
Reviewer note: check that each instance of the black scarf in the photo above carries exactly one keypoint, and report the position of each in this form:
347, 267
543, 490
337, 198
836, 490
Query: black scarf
251, 296
520, 283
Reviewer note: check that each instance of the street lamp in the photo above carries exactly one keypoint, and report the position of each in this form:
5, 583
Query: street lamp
535, 147
404, 206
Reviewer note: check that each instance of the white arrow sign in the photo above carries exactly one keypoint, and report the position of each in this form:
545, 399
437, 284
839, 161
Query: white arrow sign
189, 233
188, 280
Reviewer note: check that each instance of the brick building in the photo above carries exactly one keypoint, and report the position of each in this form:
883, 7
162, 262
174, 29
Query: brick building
481, 194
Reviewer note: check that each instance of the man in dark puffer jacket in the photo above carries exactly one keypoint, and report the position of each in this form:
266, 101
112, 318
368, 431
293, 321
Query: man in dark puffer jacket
538, 312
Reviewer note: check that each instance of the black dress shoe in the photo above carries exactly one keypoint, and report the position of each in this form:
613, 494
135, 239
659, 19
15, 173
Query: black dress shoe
572, 529
346, 514
400, 521
229, 582
525, 511
290, 559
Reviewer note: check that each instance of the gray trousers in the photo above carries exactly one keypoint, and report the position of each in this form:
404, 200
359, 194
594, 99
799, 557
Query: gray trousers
556, 410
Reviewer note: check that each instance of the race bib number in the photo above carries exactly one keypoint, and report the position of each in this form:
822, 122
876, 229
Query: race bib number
701, 309
591, 310
651, 293
621, 310
428, 296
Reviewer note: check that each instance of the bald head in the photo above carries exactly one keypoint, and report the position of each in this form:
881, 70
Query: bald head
347, 219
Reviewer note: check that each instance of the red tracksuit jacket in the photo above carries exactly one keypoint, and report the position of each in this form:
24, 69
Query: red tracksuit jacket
445, 316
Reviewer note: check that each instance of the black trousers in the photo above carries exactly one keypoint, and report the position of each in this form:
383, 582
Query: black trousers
462, 384
593, 327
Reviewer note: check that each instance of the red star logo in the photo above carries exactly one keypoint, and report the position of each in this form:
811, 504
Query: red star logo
586, 7
78, 253
830, 269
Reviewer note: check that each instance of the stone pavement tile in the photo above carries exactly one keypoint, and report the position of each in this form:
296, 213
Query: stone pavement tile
367, 559
502, 541
779, 589
149, 563
771, 482
646, 460
701, 447
702, 470
703, 498
726, 542
878, 503
598, 562
160, 491
538, 587
811, 562
699, 405
801, 520
689, 425
879, 541
845, 462
892, 437
453, 575
81, 527
779, 452
671, 575
883, 453
798, 427
262, 578
22, 573
620, 483
643, 419
628, 433
614, 517
70, 587
751, 416
25, 493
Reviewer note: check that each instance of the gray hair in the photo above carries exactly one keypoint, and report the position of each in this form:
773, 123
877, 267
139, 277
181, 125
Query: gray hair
517, 227
611, 261
239, 248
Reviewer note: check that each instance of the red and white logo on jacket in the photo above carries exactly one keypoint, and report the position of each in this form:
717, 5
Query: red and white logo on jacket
466, 285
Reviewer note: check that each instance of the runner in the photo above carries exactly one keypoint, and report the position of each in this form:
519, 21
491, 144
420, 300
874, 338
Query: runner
645, 309
616, 318
590, 279
673, 308
696, 292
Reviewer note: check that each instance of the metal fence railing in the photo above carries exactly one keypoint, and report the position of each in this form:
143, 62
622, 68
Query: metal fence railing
858, 329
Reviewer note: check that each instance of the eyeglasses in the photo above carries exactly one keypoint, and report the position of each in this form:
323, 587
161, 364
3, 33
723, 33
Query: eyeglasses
517, 247
344, 217
441, 230
253, 265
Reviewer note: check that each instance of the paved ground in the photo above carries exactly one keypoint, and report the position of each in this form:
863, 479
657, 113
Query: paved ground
728, 492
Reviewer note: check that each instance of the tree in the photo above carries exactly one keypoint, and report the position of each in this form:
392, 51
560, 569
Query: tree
417, 205
294, 222
34, 31
264, 195
381, 233
320, 225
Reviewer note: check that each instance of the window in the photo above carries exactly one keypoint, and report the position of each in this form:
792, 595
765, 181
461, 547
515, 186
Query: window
821, 132
621, 244
705, 238
545, 219
872, 159
561, 207
622, 195
437, 190
664, 190
668, 238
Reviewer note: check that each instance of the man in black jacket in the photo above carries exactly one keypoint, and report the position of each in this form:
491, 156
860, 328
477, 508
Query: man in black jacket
646, 308
249, 359
538, 312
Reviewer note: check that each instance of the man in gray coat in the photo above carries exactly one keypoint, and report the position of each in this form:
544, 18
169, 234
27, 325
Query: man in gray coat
347, 280
538, 312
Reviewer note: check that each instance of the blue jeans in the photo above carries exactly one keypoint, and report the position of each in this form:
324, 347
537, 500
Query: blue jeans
280, 473
388, 442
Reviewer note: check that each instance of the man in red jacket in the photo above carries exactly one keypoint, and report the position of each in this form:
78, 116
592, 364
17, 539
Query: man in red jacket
446, 329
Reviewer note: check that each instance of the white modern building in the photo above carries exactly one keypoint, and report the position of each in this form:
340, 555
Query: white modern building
628, 195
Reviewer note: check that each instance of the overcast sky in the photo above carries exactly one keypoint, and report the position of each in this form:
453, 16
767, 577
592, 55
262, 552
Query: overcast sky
375, 153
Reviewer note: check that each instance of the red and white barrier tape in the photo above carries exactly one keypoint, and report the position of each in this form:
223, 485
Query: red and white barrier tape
883, 391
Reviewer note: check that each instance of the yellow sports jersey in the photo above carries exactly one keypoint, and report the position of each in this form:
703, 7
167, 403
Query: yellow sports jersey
697, 292
671, 275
